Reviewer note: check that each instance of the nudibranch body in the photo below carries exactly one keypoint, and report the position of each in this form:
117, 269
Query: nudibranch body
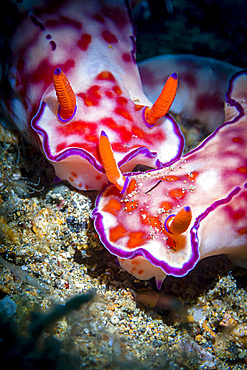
203, 83
162, 222
73, 75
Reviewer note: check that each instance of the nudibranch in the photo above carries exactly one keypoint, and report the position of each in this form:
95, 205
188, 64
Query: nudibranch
74, 74
162, 222
203, 83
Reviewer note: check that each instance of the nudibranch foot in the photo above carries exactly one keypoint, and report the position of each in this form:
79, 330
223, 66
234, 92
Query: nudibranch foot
142, 269
112, 171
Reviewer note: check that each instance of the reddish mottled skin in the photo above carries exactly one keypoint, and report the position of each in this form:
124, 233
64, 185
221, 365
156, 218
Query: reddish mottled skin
211, 180
93, 43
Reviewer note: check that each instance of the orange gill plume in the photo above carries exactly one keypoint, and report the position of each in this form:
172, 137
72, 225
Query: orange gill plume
112, 171
179, 223
163, 102
65, 95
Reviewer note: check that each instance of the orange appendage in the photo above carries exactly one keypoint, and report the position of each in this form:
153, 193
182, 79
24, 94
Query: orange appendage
164, 100
112, 171
181, 221
65, 94
113, 206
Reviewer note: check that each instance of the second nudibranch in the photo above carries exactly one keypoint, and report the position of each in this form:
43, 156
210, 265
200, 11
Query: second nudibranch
162, 222
74, 74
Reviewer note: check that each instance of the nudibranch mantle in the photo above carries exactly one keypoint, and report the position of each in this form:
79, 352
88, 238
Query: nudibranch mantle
211, 181
90, 47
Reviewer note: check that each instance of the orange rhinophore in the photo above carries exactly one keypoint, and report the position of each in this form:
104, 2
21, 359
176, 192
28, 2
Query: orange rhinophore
164, 101
112, 171
181, 221
65, 95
